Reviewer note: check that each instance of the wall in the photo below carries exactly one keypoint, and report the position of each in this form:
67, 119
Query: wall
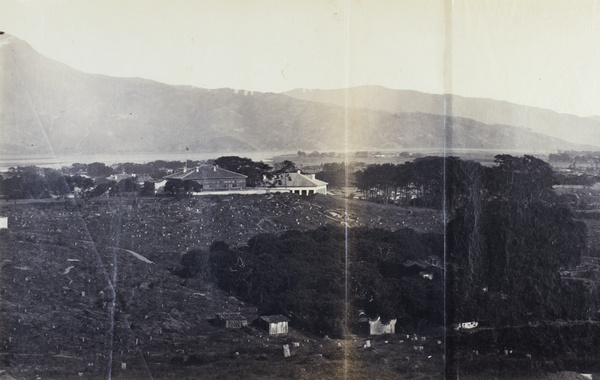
236, 324
378, 328
306, 190
215, 184
278, 328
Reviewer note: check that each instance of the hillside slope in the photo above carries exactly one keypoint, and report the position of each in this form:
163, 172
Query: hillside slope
47, 107
575, 129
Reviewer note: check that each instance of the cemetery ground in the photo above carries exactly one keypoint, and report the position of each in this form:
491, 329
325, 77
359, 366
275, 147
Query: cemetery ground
88, 290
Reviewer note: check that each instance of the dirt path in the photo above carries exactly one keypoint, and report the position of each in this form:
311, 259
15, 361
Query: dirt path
138, 256
263, 219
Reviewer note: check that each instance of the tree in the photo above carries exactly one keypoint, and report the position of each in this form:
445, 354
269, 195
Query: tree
191, 186
335, 174
101, 189
12, 188
526, 178
194, 263
84, 183
285, 166
173, 187
29, 182
303, 275
126, 185
148, 188
254, 170
509, 236
56, 181
98, 169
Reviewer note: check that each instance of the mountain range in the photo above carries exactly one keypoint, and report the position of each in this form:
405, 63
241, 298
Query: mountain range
47, 107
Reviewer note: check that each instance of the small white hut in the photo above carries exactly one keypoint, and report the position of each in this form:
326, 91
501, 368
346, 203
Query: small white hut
376, 327
274, 324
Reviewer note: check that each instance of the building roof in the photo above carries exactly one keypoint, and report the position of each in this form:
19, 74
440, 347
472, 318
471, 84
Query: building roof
378, 319
296, 180
232, 316
146, 178
119, 177
205, 172
274, 318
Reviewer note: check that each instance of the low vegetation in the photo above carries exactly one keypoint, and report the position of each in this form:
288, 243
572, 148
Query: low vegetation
309, 276
139, 277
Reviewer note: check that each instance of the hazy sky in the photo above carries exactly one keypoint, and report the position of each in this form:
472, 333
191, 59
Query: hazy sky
544, 53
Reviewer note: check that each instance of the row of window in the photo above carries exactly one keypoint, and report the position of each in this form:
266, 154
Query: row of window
303, 192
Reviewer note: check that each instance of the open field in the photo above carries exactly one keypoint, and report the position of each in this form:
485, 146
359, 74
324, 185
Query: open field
88, 291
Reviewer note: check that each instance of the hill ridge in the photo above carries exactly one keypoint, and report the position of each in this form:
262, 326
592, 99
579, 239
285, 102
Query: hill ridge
46, 107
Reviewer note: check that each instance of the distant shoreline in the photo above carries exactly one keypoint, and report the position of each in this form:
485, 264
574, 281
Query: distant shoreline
56, 162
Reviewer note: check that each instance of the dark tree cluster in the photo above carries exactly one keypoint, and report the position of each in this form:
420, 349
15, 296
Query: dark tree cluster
575, 157
334, 174
285, 166
508, 236
254, 170
31, 182
304, 275
426, 182
507, 242
177, 187
560, 157
582, 179
127, 185
446, 182
98, 169
155, 169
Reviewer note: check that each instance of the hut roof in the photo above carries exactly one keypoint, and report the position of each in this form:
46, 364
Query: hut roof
231, 316
274, 318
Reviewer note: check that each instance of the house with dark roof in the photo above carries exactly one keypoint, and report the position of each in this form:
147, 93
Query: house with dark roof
231, 320
210, 178
298, 183
274, 324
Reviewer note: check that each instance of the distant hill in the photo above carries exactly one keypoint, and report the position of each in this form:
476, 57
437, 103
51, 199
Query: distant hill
47, 107
571, 128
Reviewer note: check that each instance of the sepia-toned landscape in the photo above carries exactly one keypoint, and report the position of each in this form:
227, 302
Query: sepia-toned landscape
358, 228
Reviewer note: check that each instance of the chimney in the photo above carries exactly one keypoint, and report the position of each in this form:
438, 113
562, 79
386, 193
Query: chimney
311, 176
197, 169
215, 168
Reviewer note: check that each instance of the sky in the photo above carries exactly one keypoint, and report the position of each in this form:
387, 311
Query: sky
543, 53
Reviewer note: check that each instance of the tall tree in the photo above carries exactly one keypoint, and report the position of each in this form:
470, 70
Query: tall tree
254, 170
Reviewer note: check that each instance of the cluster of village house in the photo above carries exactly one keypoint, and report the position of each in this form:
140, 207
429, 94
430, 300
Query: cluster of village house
213, 178
278, 324
273, 324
